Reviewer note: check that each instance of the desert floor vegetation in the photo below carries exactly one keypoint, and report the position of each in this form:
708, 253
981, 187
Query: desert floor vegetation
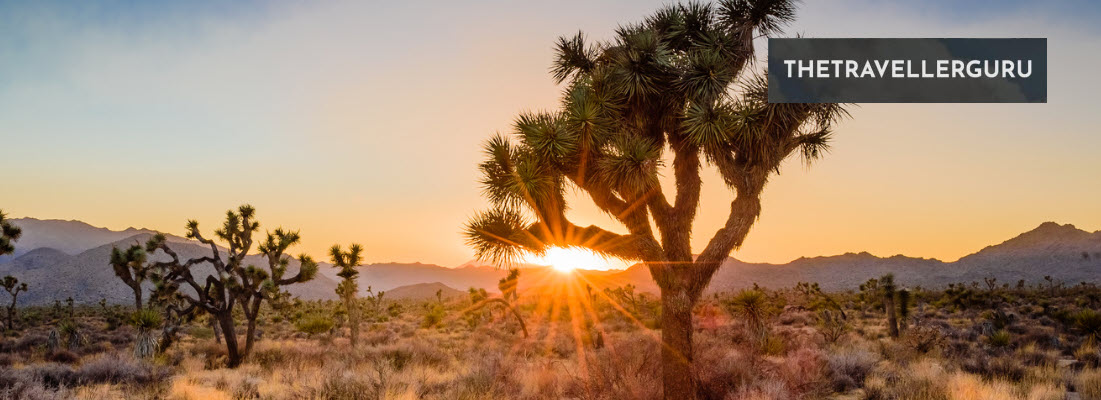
960, 342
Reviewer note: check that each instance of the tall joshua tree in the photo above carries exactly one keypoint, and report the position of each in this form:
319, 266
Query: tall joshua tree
347, 261
130, 266
660, 90
13, 287
234, 282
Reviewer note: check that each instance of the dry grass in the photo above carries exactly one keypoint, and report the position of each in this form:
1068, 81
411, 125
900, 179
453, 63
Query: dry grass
948, 354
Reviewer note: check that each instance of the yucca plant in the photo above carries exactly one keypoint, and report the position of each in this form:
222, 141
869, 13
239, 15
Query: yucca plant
660, 90
752, 307
70, 331
145, 321
53, 341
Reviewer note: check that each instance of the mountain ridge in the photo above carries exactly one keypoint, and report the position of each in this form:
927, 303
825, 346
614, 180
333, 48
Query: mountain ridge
1060, 250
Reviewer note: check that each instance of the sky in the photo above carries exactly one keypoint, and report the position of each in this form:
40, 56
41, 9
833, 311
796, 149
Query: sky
363, 122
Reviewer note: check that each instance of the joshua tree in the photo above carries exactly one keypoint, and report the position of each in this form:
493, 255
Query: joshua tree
233, 283
991, 283
130, 266
13, 287
9, 233
888, 288
509, 284
660, 90
903, 309
347, 262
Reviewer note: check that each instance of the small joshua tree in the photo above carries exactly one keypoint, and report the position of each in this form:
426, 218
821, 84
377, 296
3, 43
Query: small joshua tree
130, 266
13, 287
888, 288
509, 284
234, 283
347, 261
903, 309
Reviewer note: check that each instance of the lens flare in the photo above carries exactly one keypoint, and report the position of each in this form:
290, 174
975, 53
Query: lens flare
566, 260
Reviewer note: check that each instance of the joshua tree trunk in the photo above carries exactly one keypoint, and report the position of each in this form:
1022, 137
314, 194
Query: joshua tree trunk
11, 316
250, 331
137, 297
892, 320
676, 349
217, 331
353, 319
226, 322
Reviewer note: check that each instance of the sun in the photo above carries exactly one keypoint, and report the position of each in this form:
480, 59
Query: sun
566, 260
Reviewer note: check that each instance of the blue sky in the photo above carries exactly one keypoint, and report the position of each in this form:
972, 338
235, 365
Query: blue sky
362, 122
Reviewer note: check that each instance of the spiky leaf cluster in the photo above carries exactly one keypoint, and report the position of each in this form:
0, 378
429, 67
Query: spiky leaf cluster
666, 84
9, 233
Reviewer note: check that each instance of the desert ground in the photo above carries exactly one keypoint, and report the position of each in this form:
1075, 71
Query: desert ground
968, 341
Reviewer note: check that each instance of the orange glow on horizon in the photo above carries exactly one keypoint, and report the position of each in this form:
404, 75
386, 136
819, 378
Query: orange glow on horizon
566, 260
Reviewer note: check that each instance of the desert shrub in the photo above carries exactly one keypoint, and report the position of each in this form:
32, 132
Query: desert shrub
377, 338
29, 341
211, 352
1001, 367
118, 369
723, 371
1032, 355
831, 325
340, 386
1088, 354
51, 375
314, 324
999, 339
772, 345
201, 332
1088, 383
804, 370
1087, 322
849, 367
923, 338
963, 386
62, 356
924, 380
433, 317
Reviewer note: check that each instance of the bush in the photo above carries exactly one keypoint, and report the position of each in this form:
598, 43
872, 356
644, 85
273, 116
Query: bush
63, 356
116, 369
314, 324
999, 339
1088, 383
347, 386
433, 317
849, 368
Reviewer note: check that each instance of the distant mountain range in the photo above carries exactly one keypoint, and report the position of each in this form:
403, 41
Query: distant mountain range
59, 259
